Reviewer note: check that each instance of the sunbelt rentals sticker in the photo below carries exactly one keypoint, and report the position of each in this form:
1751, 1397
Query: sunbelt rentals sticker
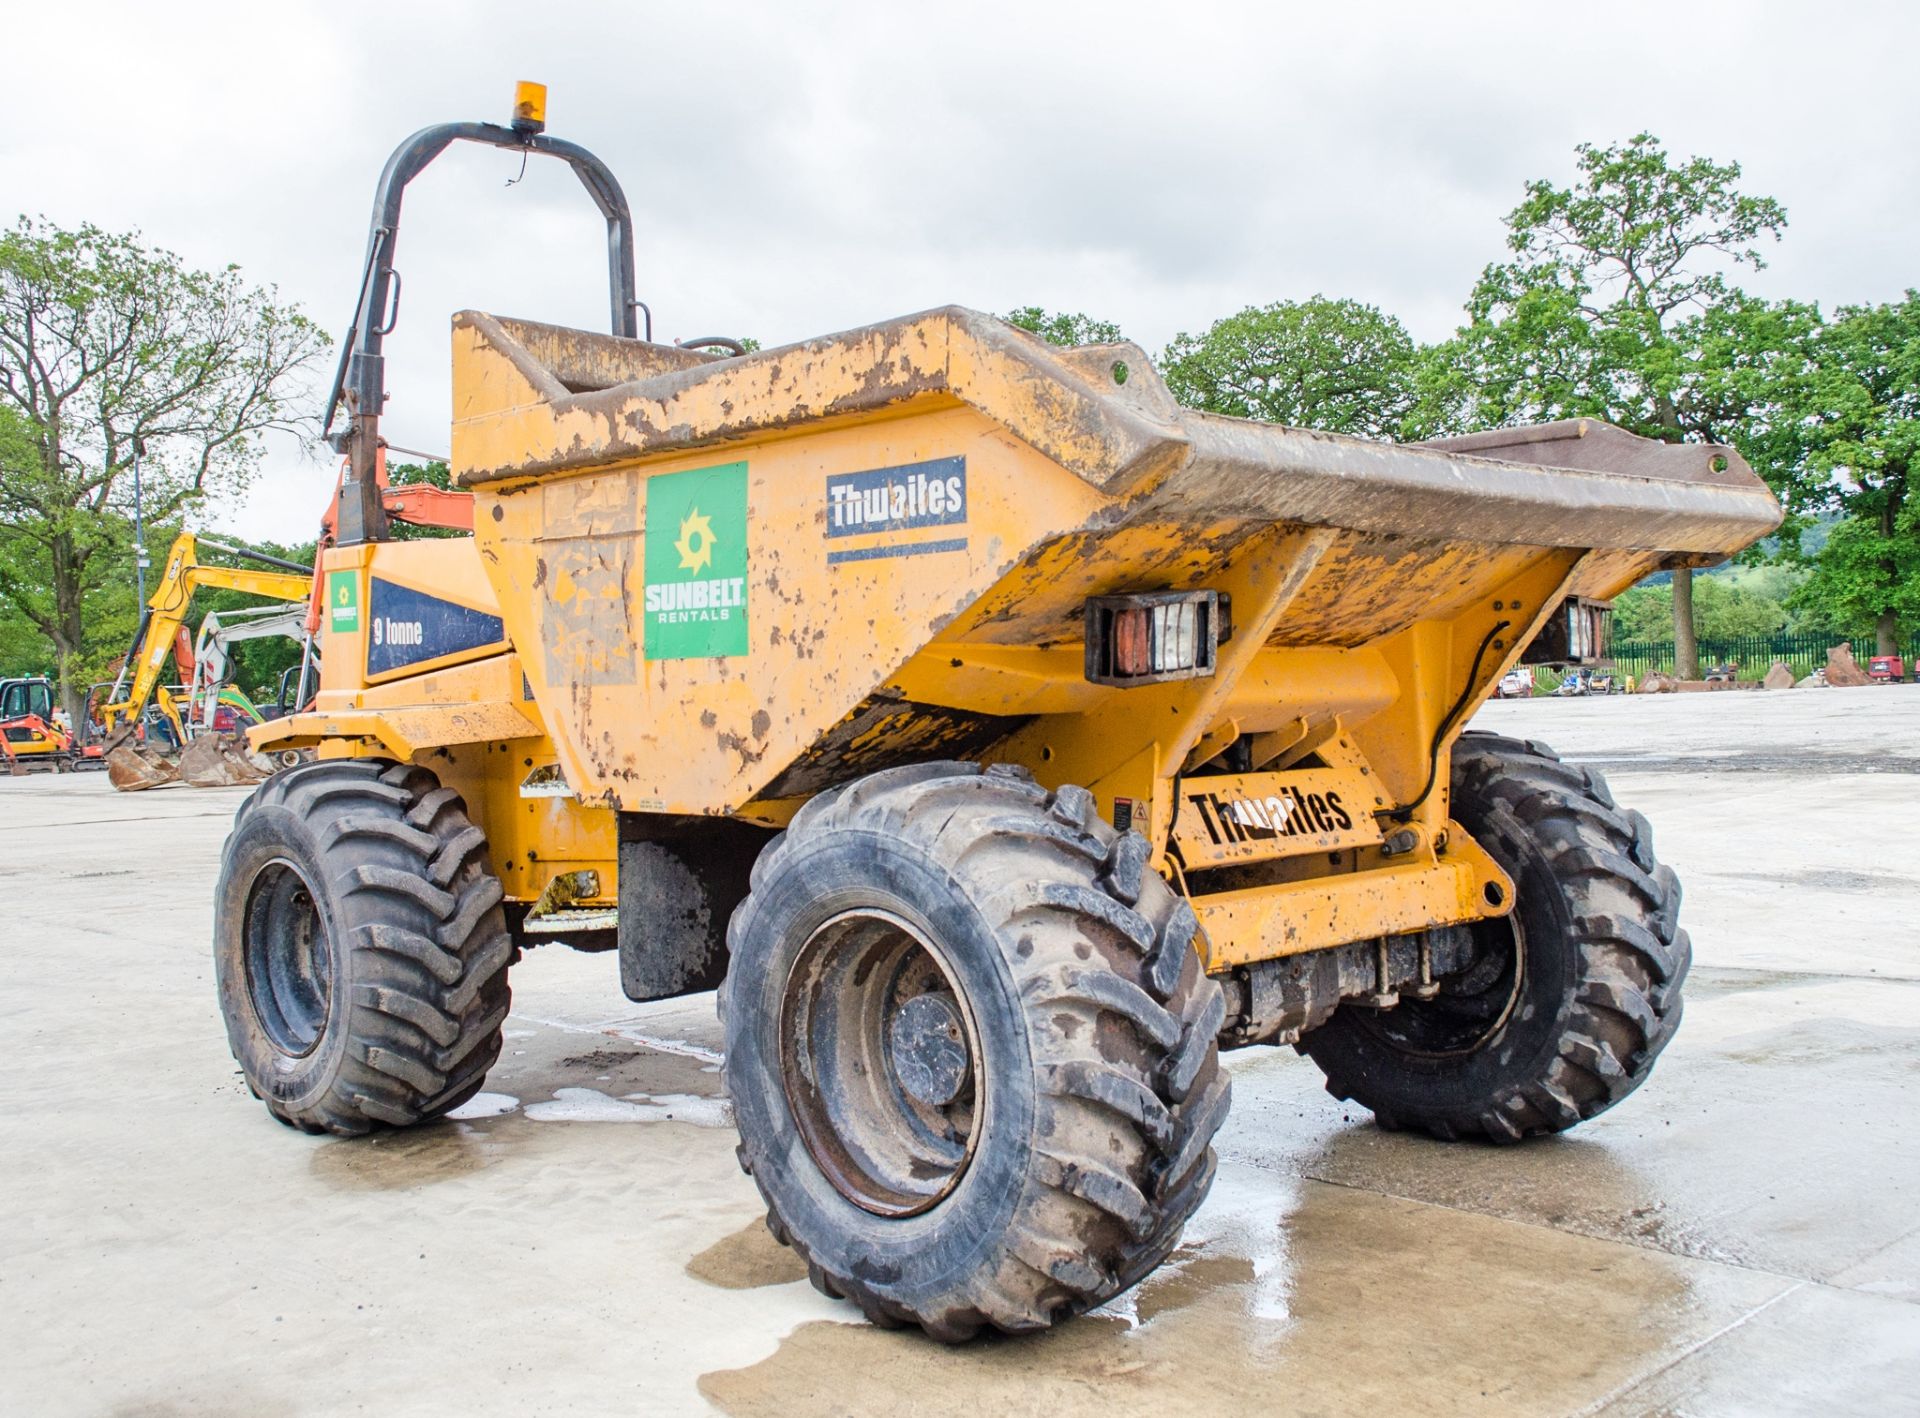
343, 601
696, 564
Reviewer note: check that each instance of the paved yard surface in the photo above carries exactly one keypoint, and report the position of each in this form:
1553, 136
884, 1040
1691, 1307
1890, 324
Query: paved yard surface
1740, 1237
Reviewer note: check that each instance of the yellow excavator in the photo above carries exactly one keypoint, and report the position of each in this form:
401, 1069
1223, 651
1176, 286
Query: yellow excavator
205, 758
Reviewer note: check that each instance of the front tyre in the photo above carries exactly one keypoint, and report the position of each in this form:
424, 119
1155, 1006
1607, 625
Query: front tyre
359, 947
970, 1049
1566, 1003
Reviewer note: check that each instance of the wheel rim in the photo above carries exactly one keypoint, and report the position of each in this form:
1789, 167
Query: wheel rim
289, 971
1473, 1005
880, 1060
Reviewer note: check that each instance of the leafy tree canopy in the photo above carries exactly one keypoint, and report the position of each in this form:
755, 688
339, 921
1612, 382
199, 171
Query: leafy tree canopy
1722, 608
1614, 303
1062, 328
111, 349
1860, 428
1337, 365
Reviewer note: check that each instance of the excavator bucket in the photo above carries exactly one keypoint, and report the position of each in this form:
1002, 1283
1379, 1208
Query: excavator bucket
133, 768
221, 761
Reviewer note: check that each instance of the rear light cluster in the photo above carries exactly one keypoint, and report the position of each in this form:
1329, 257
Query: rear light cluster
1153, 636
1577, 632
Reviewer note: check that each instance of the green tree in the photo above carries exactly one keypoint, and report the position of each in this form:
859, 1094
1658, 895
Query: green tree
434, 474
108, 347
1615, 304
1061, 328
1860, 428
1643, 612
1723, 608
1336, 365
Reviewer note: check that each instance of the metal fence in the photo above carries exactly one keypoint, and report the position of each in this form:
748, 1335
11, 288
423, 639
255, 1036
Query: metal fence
1754, 654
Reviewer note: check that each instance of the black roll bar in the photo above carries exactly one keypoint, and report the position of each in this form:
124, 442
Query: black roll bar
359, 382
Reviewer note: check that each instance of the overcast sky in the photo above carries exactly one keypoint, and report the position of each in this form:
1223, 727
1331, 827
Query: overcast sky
796, 169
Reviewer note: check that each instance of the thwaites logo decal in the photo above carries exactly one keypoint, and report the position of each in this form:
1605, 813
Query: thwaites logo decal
1284, 814
409, 627
696, 564
908, 498
343, 601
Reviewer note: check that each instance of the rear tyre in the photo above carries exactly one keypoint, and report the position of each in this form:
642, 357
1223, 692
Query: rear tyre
1567, 1002
359, 947
970, 1049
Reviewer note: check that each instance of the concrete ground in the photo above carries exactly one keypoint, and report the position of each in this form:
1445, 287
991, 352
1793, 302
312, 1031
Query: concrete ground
1742, 1236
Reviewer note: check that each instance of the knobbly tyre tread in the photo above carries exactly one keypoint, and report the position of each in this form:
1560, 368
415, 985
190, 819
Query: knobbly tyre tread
1121, 1155
427, 948
1632, 955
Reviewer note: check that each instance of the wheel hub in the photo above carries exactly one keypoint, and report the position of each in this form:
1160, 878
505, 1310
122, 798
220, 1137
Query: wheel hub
288, 969
928, 1050
879, 1057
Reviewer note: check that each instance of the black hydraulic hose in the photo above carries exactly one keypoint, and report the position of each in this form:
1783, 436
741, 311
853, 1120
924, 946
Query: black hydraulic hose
249, 554
1406, 810
133, 650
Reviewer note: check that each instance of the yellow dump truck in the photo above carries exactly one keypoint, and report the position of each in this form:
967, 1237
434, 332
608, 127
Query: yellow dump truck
1001, 740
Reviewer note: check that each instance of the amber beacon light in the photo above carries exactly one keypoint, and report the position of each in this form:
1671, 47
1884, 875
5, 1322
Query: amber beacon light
529, 107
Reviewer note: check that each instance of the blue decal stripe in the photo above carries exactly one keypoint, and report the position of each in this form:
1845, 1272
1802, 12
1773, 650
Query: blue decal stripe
406, 627
908, 549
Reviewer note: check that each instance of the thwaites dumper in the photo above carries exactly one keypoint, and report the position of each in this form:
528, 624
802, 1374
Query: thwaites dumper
999, 738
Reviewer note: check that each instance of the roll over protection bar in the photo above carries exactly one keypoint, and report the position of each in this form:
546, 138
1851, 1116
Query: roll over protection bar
359, 379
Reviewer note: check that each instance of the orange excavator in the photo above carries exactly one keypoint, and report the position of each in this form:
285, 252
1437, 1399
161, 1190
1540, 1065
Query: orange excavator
32, 735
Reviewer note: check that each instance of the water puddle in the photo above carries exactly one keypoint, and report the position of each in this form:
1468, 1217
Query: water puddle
484, 1105
749, 1259
1285, 1295
590, 1105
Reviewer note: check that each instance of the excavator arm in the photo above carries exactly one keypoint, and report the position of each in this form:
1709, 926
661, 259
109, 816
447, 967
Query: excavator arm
130, 766
166, 612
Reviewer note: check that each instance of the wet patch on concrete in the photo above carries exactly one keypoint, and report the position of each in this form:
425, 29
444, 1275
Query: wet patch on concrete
484, 1105
1489, 1317
1704, 984
552, 1056
749, 1259
1818, 1041
590, 1105
1822, 880
1774, 1102
1187, 1281
254, 1403
1810, 763
425, 1156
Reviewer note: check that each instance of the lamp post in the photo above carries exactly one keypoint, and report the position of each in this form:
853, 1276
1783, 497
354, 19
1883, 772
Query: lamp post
139, 528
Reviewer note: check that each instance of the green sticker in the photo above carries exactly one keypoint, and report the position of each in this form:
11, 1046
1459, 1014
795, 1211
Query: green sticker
343, 601
696, 567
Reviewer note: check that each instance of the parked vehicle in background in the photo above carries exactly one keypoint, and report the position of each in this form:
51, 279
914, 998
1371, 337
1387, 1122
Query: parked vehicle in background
30, 734
1888, 669
1517, 683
